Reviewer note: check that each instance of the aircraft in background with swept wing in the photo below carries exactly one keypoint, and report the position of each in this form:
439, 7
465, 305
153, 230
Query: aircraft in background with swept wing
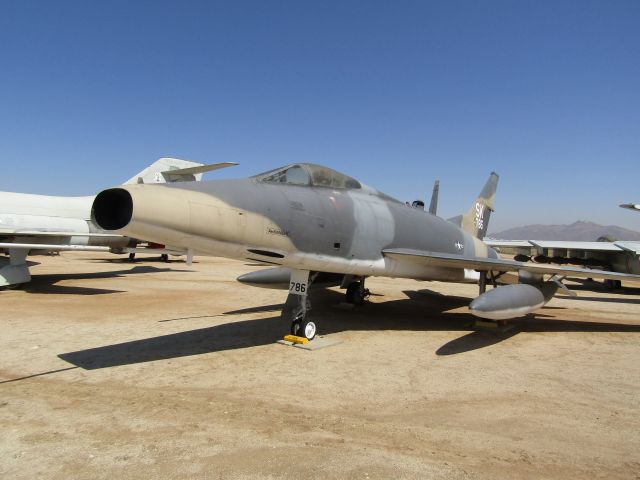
317, 226
620, 256
631, 206
40, 223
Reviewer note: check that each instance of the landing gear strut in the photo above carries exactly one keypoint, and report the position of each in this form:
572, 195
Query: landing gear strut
613, 284
356, 293
298, 305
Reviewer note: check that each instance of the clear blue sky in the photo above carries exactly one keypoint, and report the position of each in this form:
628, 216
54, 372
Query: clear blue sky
395, 93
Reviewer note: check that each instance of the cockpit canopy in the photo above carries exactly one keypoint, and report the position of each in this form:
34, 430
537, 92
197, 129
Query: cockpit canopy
309, 174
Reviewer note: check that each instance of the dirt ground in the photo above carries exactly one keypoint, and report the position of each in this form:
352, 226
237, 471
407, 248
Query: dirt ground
111, 369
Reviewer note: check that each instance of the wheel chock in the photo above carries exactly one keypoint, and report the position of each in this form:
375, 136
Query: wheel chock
296, 339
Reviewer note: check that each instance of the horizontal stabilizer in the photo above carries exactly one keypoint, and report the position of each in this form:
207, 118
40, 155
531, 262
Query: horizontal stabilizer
168, 170
174, 175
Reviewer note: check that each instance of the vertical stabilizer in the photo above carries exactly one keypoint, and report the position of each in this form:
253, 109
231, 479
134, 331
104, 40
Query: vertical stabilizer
476, 220
160, 172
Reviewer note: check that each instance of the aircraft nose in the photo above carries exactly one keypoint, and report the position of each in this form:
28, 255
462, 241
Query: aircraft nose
112, 209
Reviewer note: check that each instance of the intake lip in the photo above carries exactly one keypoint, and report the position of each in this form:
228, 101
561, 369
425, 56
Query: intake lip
112, 209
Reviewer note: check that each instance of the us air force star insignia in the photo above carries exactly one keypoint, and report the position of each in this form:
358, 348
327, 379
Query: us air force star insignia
459, 246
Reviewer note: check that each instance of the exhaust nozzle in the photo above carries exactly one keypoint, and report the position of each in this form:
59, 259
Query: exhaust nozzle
112, 209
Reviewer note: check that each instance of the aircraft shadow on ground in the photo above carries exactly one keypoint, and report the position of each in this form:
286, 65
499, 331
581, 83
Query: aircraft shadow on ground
127, 260
47, 284
423, 311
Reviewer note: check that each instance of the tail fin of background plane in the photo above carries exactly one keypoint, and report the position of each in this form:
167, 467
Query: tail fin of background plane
476, 220
169, 170
433, 206
160, 172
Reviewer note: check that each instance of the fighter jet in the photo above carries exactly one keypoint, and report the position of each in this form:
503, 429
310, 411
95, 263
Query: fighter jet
317, 226
40, 223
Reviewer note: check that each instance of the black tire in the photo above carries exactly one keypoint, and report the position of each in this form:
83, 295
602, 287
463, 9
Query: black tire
355, 293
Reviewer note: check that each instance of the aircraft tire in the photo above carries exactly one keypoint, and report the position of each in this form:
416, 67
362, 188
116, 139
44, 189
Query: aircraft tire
613, 284
307, 329
355, 293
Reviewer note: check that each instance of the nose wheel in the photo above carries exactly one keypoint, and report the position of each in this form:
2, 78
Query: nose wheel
304, 328
298, 305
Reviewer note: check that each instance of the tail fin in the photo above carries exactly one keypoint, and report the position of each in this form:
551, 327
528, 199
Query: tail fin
476, 220
433, 206
158, 170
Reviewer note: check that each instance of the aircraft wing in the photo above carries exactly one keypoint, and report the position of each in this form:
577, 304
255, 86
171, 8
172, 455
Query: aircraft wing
7, 232
53, 247
89, 248
540, 245
445, 260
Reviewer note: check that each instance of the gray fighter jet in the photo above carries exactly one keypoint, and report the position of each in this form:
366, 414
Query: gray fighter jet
320, 227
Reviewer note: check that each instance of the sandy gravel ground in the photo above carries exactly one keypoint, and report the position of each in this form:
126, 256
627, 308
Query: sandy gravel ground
110, 369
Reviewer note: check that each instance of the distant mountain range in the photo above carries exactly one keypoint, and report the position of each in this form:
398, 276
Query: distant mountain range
578, 231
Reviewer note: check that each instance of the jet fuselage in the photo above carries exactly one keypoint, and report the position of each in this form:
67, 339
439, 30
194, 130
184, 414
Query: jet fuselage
340, 230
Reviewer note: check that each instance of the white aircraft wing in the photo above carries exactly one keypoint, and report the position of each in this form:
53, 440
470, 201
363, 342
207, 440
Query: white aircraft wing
499, 265
539, 245
52, 247
9, 232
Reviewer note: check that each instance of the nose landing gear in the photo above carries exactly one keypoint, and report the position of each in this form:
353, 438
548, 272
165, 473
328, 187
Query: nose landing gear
298, 305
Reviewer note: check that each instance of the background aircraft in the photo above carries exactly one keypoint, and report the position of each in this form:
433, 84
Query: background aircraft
328, 227
40, 223
621, 257
618, 256
631, 206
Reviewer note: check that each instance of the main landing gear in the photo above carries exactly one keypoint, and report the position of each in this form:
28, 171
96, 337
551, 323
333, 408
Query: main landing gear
356, 293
